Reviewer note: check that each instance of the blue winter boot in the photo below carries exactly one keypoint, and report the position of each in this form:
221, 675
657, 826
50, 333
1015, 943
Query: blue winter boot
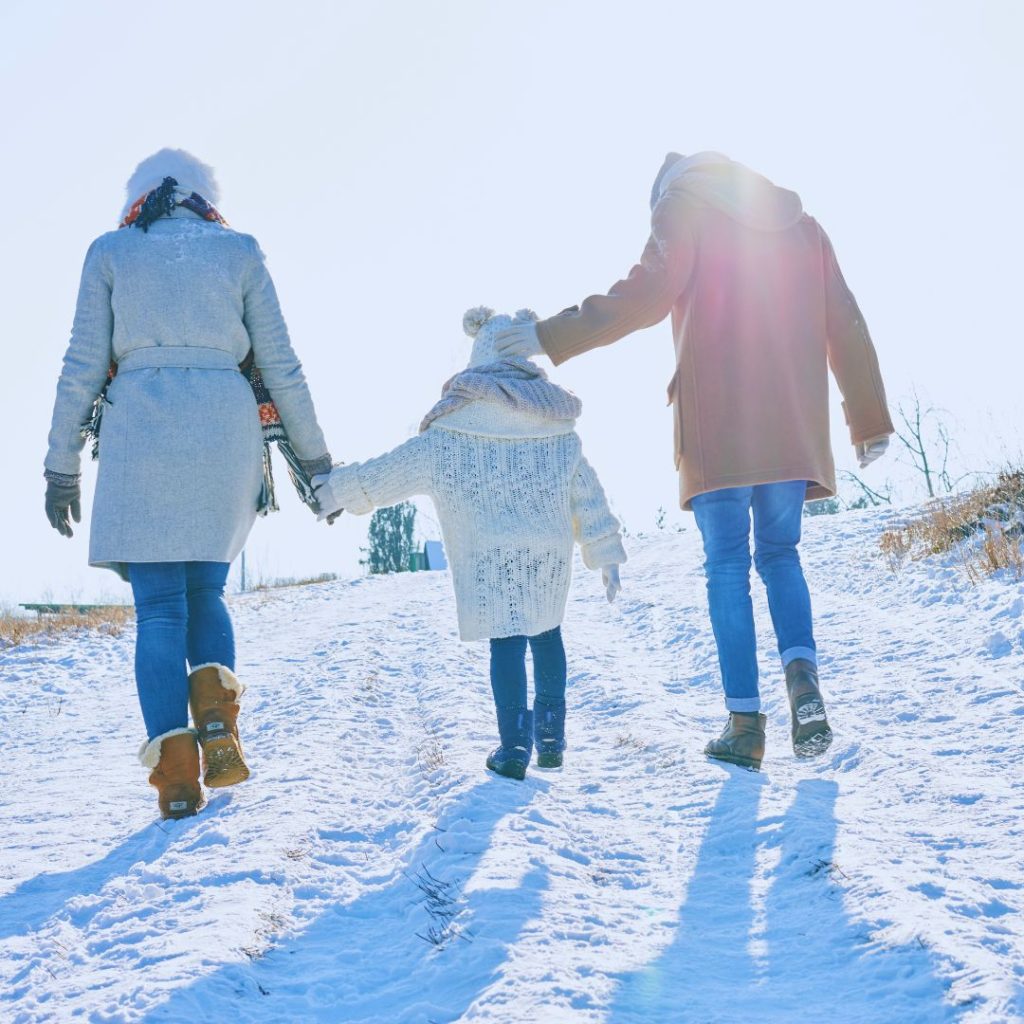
549, 733
515, 727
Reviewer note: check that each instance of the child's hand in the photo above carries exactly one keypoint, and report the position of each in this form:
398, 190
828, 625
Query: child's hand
612, 583
318, 482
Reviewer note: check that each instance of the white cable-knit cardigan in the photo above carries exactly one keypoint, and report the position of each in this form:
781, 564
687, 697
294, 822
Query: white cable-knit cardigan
513, 492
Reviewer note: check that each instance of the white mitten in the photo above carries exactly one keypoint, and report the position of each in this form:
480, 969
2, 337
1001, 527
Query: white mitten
871, 450
612, 583
518, 340
324, 497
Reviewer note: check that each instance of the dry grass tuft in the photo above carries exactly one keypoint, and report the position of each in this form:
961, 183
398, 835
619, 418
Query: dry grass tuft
289, 581
17, 629
431, 754
631, 741
984, 527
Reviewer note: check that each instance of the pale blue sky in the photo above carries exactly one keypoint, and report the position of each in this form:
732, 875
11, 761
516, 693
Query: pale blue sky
400, 162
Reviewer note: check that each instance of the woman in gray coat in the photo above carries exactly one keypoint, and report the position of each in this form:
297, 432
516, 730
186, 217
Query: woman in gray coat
170, 305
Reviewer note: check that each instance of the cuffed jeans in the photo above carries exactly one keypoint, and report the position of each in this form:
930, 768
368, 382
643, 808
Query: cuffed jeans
508, 670
723, 518
182, 618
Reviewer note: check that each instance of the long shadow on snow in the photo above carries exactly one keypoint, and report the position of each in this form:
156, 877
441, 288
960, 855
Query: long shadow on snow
364, 962
37, 899
811, 961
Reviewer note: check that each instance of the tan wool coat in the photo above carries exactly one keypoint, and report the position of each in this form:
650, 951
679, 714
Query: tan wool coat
760, 312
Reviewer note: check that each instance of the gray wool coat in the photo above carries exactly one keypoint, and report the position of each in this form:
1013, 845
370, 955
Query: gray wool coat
180, 454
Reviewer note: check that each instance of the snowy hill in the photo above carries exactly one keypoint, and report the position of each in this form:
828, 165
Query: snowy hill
371, 870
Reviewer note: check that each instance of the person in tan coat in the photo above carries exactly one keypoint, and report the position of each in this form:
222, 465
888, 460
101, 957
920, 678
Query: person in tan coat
760, 313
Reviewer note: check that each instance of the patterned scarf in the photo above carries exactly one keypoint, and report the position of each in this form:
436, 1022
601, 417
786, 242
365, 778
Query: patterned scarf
518, 384
161, 202
150, 207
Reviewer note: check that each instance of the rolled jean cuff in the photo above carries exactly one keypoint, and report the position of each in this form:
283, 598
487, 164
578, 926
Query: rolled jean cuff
806, 653
744, 705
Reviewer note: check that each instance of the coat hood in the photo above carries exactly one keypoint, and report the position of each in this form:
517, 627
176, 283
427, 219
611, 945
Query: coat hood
742, 194
189, 171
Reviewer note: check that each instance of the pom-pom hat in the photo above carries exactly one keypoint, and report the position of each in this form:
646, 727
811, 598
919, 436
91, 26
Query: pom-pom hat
483, 325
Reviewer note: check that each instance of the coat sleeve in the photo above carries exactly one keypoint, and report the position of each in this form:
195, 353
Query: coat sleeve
643, 298
277, 362
86, 365
852, 356
596, 530
361, 487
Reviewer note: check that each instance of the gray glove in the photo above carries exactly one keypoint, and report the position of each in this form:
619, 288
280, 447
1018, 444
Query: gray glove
63, 503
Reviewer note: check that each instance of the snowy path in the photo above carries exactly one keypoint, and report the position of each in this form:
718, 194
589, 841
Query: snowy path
641, 884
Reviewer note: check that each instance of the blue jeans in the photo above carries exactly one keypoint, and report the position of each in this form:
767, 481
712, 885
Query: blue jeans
723, 518
508, 670
182, 617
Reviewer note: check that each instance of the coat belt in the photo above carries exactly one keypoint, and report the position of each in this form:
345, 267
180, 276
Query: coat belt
179, 356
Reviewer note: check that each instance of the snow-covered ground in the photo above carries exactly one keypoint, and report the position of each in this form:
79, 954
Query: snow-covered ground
371, 870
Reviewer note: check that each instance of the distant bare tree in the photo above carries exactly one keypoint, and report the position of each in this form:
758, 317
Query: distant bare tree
926, 437
870, 497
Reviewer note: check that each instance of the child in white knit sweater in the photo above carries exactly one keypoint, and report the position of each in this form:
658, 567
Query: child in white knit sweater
501, 460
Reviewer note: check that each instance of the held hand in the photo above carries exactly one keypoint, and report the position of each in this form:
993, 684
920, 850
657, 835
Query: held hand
871, 450
519, 340
63, 503
612, 583
322, 497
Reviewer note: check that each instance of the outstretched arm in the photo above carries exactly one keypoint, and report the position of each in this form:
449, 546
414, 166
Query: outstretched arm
643, 298
386, 480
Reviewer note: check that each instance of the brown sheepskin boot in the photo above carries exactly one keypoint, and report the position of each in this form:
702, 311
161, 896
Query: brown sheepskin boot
213, 693
173, 762
742, 741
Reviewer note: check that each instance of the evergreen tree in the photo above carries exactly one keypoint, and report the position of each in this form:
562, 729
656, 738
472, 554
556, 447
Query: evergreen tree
390, 538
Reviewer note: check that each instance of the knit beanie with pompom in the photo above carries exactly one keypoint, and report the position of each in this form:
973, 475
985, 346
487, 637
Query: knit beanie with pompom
483, 325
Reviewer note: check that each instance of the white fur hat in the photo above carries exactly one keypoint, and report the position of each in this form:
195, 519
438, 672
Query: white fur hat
483, 325
189, 172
